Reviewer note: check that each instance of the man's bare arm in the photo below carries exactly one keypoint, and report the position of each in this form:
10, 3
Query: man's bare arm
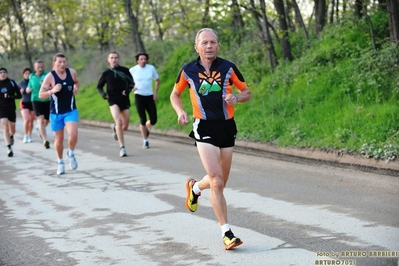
45, 90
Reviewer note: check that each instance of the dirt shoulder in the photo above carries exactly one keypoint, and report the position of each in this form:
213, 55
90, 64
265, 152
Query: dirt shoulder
305, 156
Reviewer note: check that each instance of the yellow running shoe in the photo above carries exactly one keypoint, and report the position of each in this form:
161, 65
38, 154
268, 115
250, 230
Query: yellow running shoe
230, 241
192, 198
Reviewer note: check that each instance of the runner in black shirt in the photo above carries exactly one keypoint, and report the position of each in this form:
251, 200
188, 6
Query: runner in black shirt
119, 84
9, 91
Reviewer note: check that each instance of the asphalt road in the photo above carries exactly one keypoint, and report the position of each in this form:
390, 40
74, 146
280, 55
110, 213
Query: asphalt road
130, 211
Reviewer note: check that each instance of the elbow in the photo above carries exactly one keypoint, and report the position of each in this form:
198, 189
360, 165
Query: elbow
249, 95
172, 97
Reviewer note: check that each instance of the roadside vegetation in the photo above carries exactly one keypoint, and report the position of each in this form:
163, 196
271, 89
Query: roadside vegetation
339, 94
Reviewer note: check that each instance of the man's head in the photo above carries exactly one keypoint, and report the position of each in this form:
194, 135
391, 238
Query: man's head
142, 59
3, 73
59, 62
207, 44
113, 59
38, 66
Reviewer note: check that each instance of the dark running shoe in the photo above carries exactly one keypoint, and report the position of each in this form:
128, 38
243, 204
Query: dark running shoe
192, 198
46, 144
230, 241
9, 152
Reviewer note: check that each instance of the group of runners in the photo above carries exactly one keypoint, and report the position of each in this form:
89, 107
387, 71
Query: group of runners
50, 98
210, 80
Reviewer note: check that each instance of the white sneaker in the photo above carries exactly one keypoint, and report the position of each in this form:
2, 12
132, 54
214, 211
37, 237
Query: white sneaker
25, 140
73, 164
146, 144
122, 152
29, 138
61, 169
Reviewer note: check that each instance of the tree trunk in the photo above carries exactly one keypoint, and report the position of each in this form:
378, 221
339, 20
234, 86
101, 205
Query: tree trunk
267, 38
289, 10
16, 5
359, 9
238, 21
134, 27
300, 20
157, 18
393, 11
285, 42
320, 15
337, 10
205, 16
332, 11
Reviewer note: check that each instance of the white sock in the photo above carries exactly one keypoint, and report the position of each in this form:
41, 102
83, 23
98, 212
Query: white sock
196, 188
225, 228
60, 160
71, 153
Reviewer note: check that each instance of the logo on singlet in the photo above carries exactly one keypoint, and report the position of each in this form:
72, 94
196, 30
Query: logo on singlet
209, 83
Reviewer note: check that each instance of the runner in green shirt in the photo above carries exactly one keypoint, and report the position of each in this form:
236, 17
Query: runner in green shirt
40, 106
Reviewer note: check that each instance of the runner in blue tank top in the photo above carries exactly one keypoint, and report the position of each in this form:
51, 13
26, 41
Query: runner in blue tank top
62, 85
63, 101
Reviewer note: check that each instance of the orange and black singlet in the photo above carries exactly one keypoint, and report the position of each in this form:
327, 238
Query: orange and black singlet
206, 90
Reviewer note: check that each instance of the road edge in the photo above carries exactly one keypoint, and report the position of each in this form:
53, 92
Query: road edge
306, 156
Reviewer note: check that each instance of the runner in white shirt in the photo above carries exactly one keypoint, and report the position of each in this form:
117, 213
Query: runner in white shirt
143, 75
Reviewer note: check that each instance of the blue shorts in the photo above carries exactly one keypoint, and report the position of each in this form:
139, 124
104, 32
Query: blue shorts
57, 121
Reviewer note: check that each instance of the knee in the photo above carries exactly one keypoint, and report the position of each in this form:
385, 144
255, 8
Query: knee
125, 126
73, 136
217, 183
58, 139
119, 123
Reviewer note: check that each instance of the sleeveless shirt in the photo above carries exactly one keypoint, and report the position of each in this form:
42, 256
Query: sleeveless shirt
63, 101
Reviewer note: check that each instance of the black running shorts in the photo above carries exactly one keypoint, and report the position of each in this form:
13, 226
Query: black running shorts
42, 108
122, 102
221, 134
8, 113
26, 105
